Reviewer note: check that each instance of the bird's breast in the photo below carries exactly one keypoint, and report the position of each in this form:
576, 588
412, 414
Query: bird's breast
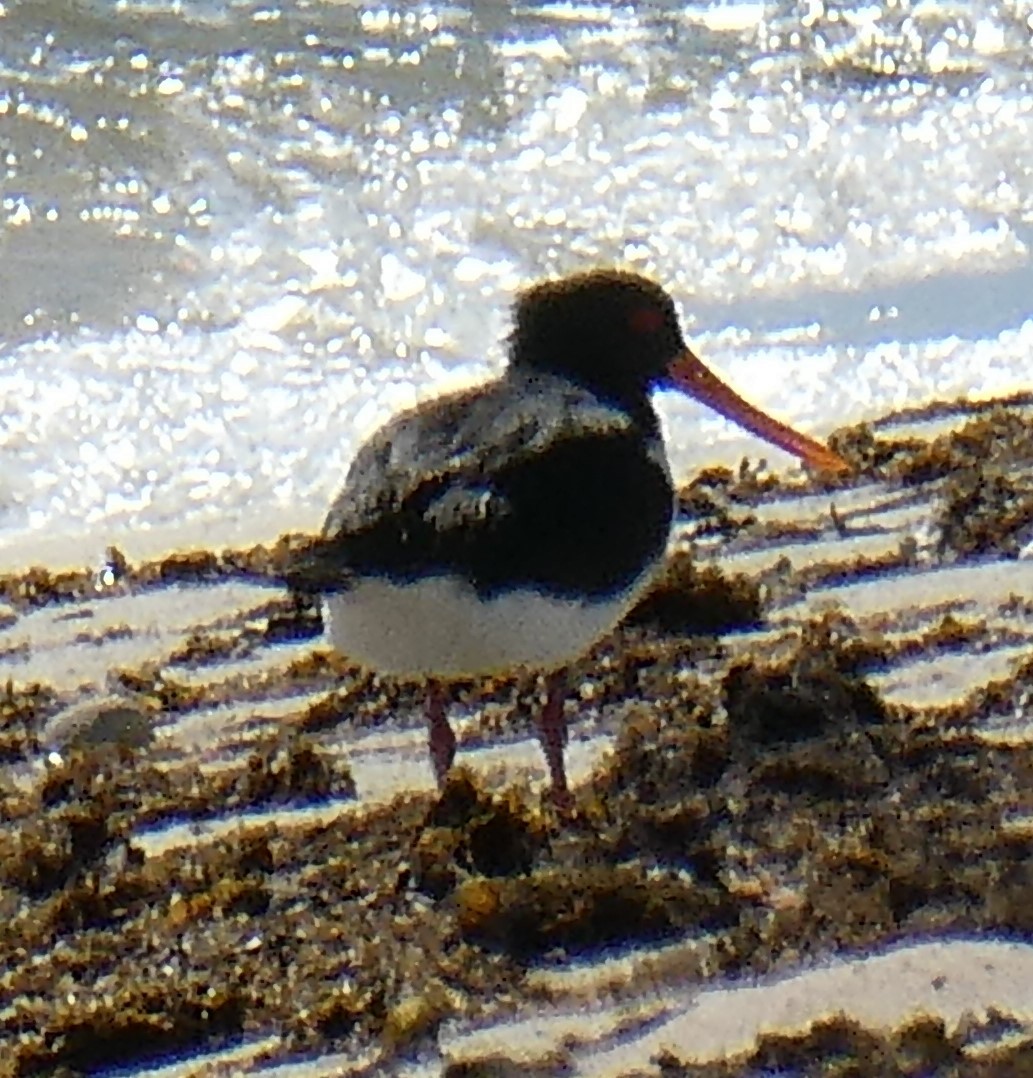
441, 627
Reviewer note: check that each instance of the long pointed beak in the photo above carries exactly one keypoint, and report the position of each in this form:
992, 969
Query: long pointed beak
690, 375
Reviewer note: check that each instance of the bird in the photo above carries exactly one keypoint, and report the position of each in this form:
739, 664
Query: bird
509, 527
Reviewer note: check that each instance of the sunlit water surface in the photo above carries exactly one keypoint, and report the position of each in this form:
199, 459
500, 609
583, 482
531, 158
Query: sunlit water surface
236, 236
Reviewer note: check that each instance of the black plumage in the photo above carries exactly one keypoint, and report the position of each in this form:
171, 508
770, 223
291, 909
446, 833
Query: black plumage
530, 482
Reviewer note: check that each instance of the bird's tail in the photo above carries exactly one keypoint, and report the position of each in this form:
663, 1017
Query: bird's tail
316, 568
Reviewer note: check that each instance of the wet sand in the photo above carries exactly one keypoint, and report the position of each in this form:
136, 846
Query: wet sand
804, 807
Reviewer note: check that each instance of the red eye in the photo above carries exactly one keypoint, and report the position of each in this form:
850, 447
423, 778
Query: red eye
646, 320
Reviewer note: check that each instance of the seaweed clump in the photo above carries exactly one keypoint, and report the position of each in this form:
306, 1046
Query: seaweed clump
981, 475
715, 501
825, 817
985, 511
841, 1046
293, 770
1002, 437
135, 1027
470, 832
689, 599
23, 708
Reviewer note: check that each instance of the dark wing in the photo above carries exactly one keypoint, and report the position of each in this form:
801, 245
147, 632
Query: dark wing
504, 496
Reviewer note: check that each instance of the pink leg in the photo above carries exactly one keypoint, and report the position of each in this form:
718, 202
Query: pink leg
552, 733
440, 738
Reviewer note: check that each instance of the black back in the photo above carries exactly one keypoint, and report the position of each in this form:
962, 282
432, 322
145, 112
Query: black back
532, 480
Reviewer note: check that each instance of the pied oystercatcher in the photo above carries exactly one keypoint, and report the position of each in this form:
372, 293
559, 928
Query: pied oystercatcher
513, 525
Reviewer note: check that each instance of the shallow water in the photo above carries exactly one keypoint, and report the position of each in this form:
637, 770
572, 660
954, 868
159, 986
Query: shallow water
236, 236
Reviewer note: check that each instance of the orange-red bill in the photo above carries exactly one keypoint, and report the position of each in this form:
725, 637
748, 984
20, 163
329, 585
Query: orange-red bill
691, 376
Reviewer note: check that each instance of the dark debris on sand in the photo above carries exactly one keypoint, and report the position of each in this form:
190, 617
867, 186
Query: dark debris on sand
772, 807
983, 471
843, 1048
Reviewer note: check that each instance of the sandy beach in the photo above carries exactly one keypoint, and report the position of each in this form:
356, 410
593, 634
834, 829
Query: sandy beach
804, 807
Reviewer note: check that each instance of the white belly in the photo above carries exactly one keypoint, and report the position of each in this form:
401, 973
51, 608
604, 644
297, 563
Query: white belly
439, 627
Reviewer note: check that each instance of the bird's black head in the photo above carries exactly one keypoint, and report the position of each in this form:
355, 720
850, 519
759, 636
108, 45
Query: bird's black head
613, 332
617, 334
